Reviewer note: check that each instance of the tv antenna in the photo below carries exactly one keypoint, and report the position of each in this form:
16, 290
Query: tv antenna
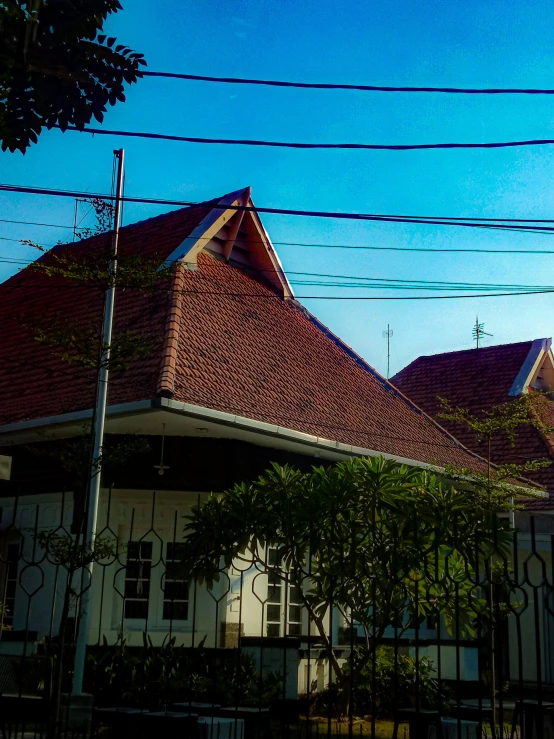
388, 335
479, 331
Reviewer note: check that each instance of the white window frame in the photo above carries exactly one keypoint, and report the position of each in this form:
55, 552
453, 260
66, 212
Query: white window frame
155, 621
285, 587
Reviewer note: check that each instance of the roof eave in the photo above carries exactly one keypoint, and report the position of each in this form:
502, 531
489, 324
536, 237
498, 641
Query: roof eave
10, 431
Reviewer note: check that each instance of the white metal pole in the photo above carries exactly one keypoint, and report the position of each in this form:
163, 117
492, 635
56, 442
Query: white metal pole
98, 439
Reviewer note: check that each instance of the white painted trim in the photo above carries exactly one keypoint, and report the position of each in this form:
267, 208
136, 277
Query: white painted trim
332, 449
214, 220
122, 409
276, 262
529, 366
188, 250
213, 416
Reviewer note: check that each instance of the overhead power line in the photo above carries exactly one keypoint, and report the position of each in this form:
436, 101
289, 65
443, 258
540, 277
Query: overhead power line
367, 247
305, 145
361, 88
503, 223
210, 204
357, 281
35, 223
274, 296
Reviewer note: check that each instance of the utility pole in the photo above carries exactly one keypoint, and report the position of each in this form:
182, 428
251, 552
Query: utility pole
387, 335
98, 439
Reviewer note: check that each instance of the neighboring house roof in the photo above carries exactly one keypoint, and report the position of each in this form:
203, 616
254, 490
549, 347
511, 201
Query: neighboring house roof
227, 335
477, 379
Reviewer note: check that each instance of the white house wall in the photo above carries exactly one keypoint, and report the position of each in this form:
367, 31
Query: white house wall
537, 644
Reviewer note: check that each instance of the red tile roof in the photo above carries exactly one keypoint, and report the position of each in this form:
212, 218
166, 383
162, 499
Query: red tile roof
241, 349
477, 379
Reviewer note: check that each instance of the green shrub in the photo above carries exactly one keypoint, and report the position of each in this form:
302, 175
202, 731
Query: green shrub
395, 681
155, 677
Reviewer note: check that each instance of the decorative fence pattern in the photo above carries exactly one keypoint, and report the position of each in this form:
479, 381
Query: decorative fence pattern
247, 657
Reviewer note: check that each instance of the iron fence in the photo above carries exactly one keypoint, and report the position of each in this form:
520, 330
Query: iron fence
461, 650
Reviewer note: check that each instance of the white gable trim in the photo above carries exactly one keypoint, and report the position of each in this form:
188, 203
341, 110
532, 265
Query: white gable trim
529, 367
275, 261
188, 250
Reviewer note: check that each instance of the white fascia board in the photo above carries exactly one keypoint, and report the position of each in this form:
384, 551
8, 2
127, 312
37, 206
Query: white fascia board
300, 437
529, 366
313, 443
76, 417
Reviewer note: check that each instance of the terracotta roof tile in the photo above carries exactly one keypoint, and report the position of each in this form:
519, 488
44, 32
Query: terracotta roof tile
477, 379
241, 349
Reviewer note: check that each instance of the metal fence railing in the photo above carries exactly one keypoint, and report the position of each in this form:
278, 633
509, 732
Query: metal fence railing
449, 646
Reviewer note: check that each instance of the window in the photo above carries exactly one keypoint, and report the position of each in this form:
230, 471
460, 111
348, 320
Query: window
137, 579
175, 587
155, 589
274, 598
295, 611
276, 602
10, 582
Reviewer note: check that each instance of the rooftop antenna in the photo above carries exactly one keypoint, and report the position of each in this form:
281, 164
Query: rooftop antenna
479, 331
388, 335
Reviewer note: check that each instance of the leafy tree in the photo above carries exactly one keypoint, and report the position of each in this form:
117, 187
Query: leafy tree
56, 67
71, 554
496, 487
390, 681
496, 484
382, 544
79, 343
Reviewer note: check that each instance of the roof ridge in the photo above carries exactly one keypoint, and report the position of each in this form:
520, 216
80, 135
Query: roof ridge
476, 349
386, 383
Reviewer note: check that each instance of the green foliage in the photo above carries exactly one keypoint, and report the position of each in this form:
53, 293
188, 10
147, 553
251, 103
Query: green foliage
506, 418
56, 67
81, 345
155, 677
3, 612
95, 270
63, 550
104, 211
500, 483
383, 543
391, 680
239, 683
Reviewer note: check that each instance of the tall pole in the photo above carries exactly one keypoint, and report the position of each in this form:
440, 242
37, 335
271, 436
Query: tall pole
388, 351
387, 335
98, 439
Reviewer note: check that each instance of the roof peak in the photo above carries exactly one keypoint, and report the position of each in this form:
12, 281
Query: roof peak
480, 349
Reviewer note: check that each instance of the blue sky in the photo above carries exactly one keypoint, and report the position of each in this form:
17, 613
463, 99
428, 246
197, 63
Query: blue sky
398, 42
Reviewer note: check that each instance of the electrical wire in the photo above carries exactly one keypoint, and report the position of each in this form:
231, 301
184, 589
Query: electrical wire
245, 412
305, 145
356, 281
361, 88
121, 381
344, 246
501, 224
274, 296
35, 223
